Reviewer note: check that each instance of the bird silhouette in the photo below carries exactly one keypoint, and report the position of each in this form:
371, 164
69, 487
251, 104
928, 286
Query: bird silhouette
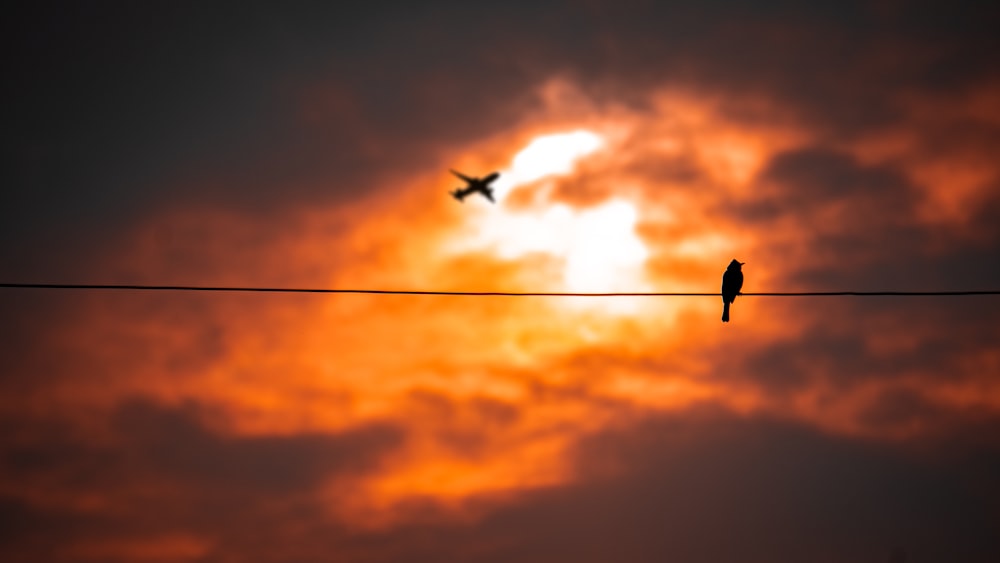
732, 283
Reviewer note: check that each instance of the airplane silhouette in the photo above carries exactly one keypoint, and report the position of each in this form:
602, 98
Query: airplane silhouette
481, 185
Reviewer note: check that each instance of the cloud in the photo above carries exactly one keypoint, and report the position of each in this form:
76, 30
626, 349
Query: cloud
699, 484
165, 473
835, 147
703, 485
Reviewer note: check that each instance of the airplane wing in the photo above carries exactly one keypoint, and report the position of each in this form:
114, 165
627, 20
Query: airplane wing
462, 176
489, 195
491, 177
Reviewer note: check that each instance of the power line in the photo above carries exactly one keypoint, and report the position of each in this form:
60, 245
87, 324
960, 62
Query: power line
137, 287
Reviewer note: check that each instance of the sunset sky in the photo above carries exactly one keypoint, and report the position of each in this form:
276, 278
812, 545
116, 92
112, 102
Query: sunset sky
641, 146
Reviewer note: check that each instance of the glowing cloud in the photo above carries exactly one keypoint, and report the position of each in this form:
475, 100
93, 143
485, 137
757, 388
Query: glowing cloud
548, 155
596, 249
604, 251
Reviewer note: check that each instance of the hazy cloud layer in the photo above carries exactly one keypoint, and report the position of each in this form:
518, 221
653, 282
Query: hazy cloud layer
833, 147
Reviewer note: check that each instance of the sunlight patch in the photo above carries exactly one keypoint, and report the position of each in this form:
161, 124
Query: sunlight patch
598, 248
605, 254
546, 156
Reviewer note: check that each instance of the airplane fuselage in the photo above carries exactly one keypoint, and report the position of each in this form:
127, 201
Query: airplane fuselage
474, 185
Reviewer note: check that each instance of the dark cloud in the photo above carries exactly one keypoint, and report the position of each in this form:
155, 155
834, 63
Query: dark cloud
896, 407
697, 486
122, 110
176, 446
165, 472
704, 486
119, 110
808, 180
860, 227
840, 207
847, 357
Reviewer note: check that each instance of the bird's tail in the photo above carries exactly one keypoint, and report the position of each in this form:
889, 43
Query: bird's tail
725, 311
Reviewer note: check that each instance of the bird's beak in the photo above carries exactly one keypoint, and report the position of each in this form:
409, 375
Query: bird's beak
742, 263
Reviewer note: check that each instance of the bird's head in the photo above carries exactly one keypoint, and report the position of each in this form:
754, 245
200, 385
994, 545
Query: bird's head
736, 265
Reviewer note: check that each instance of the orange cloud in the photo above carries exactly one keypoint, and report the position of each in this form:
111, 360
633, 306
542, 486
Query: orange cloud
490, 396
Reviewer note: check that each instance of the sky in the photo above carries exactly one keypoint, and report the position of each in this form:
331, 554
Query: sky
641, 146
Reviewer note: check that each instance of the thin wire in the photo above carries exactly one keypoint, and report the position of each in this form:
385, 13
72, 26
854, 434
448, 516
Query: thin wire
136, 287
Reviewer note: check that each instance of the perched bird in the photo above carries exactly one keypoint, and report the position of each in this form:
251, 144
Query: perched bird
732, 283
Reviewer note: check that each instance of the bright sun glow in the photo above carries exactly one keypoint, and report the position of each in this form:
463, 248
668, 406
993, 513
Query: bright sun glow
545, 156
605, 253
598, 246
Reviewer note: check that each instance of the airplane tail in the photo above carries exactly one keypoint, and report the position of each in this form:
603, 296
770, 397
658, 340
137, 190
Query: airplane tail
457, 194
